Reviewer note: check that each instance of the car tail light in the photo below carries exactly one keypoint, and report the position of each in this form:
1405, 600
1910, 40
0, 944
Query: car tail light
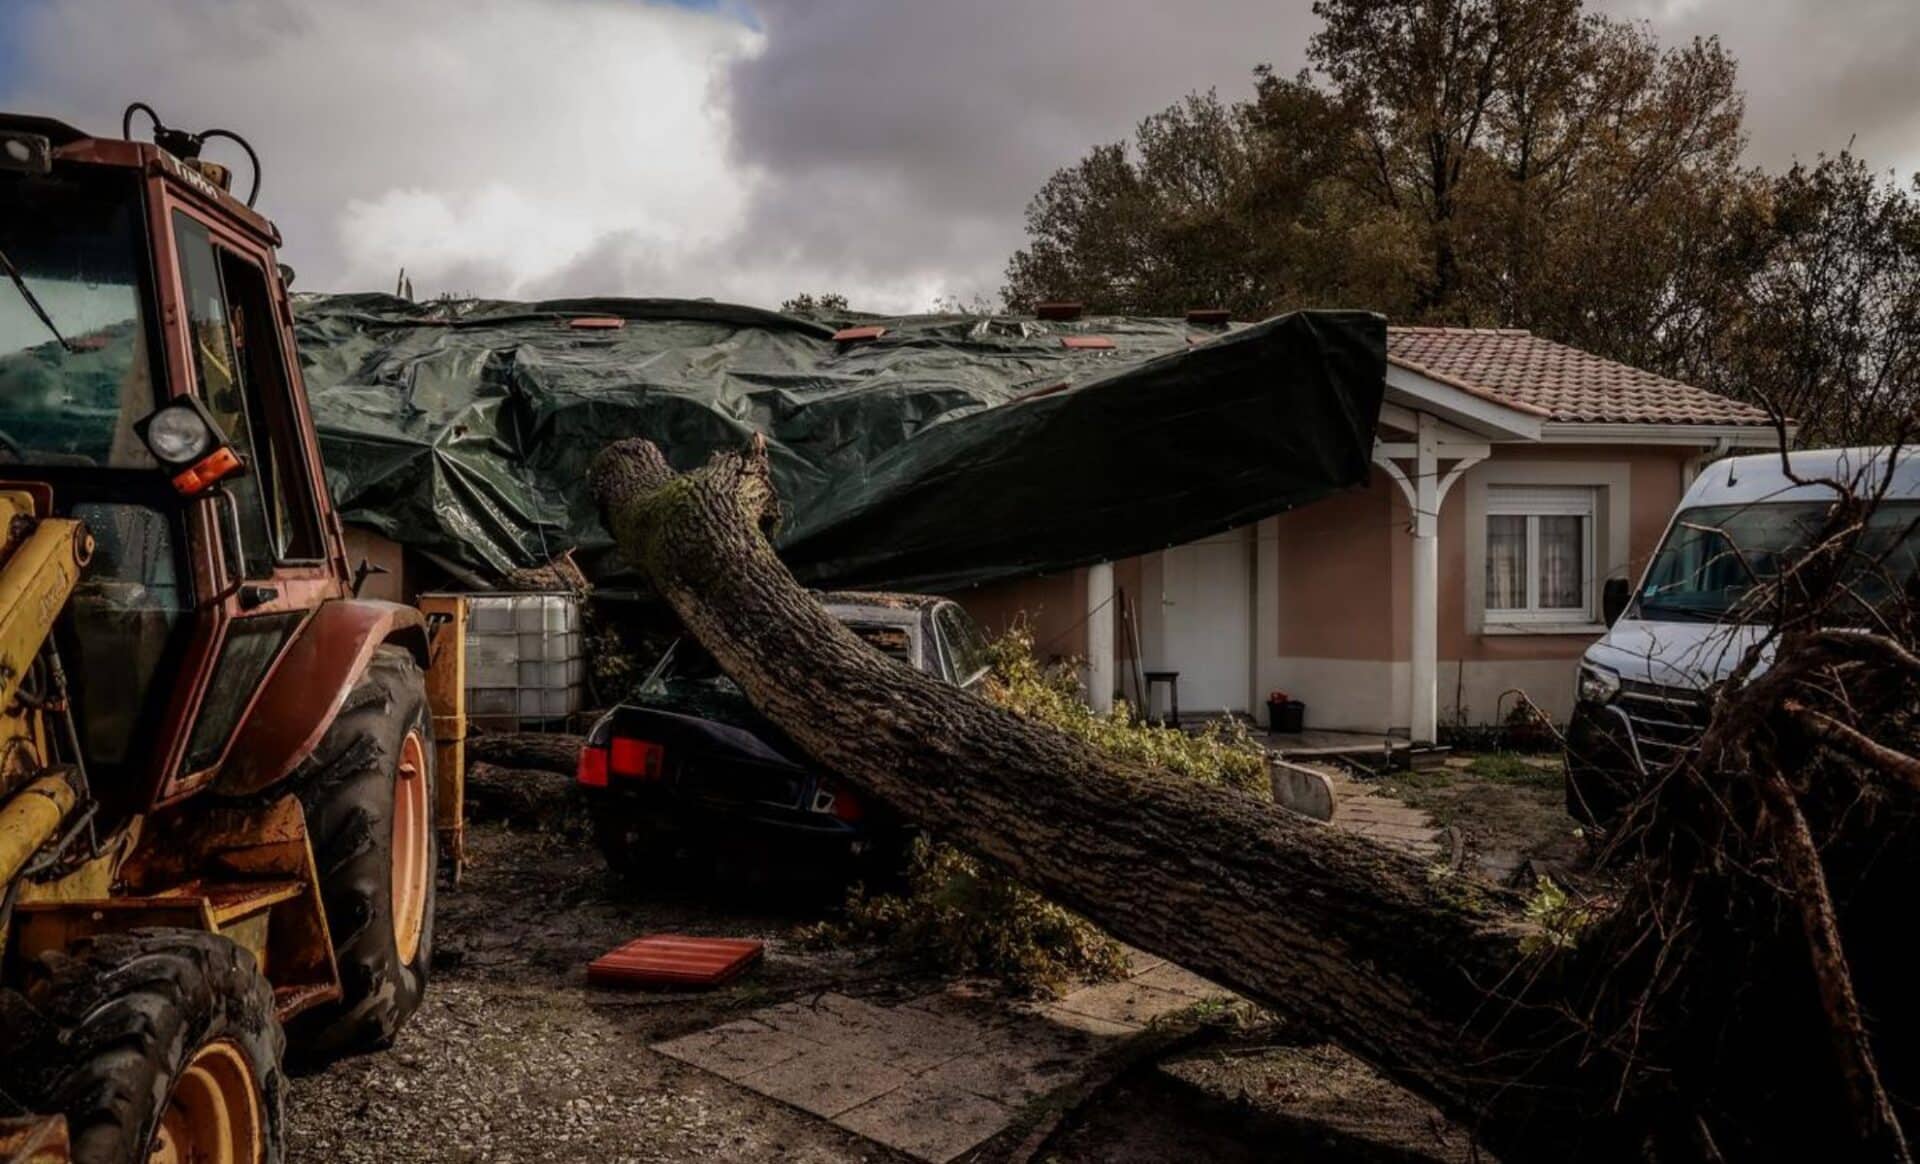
835, 800
637, 759
592, 772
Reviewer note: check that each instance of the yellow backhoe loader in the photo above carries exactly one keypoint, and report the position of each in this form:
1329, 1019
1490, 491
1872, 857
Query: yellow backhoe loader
228, 784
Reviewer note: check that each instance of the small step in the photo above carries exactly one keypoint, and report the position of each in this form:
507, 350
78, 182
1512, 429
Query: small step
231, 901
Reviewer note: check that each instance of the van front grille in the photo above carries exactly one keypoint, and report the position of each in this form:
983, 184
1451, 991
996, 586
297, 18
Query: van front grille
1667, 721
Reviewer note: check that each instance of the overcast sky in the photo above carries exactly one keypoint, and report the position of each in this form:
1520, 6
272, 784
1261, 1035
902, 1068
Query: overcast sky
752, 149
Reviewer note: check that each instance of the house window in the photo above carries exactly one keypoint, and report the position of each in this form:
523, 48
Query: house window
1539, 554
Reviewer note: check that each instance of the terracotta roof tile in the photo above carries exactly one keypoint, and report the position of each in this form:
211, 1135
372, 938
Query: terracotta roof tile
1566, 384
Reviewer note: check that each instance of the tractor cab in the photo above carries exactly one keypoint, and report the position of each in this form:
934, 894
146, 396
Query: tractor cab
148, 377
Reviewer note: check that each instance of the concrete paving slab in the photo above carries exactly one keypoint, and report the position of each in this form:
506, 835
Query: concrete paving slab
908, 1040
1100, 1029
931, 1122
943, 1072
1167, 976
1130, 1002
824, 1018
826, 1080
1013, 1077
734, 1050
1139, 961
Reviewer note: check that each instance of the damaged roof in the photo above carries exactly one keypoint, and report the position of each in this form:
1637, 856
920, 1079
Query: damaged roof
938, 452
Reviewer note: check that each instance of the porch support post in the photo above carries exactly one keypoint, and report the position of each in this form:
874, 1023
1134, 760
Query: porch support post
1425, 661
1100, 658
1425, 491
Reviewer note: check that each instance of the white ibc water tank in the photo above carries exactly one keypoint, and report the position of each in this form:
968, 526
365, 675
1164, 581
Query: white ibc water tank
526, 661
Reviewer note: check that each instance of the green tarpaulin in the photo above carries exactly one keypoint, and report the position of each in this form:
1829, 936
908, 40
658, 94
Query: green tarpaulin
949, 451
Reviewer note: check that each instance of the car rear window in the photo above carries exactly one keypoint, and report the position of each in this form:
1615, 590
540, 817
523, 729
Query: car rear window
895, 642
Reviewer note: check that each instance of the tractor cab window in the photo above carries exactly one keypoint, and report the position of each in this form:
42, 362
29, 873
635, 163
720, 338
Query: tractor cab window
72, 383
242, 381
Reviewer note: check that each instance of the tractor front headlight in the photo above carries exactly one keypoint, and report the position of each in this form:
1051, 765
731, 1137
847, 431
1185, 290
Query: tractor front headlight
183, 436
178, 436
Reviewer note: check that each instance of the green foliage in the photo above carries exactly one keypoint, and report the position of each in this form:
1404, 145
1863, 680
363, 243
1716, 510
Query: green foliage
959, 917
1222, 753
1507, 766
1556, 918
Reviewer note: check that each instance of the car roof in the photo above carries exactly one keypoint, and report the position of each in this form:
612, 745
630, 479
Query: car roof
884, 598
1762, 478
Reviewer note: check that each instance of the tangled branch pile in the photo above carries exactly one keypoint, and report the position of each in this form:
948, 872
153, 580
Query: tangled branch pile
959, 917
1765, 937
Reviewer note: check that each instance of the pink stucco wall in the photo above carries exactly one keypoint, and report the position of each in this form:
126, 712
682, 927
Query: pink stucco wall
1055, 608
1349, 556
1344, 571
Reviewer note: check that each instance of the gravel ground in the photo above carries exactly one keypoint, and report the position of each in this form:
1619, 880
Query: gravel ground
513, 1058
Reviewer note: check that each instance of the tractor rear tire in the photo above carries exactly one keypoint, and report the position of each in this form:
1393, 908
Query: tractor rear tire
156, 1043
369, 796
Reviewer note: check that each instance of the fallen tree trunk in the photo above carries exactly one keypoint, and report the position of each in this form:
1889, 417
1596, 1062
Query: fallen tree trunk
1355, 937
546, 751
1545, 1053
522, 797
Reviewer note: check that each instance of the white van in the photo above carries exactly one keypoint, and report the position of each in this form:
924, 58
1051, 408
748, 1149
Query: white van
1641, 700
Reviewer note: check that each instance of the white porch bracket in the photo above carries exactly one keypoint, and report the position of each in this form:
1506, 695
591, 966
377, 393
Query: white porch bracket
1425, 489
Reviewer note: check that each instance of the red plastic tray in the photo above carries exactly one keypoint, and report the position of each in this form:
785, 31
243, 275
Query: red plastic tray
674, 960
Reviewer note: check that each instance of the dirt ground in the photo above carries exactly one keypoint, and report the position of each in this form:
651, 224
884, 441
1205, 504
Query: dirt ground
1262, 1098
512, 1057
1508, 810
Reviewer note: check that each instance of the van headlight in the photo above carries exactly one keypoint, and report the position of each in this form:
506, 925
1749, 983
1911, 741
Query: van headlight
1597, 684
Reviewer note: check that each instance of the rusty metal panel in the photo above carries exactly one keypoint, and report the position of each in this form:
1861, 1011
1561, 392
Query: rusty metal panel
447, 698
34, 1140
239, 865
307, 687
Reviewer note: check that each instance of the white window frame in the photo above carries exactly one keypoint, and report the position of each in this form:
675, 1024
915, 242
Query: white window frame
1534, 502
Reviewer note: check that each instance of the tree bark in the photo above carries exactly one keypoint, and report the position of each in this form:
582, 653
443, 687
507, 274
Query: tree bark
1414, 972
547, 752
522, 797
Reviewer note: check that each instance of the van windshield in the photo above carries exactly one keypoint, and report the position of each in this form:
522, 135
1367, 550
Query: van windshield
1717, 556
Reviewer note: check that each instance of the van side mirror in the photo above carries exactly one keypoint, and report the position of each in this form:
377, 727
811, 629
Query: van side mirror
1614, 596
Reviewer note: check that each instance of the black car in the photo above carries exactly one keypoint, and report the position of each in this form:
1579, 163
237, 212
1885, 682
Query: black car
688, 770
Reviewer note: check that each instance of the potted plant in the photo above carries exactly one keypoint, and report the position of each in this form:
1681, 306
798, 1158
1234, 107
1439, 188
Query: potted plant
1285, 713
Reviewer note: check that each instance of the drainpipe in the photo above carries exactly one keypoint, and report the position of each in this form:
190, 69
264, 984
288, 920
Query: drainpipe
1100, 660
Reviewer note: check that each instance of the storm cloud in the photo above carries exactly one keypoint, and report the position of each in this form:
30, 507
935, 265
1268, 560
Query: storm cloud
752, 149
